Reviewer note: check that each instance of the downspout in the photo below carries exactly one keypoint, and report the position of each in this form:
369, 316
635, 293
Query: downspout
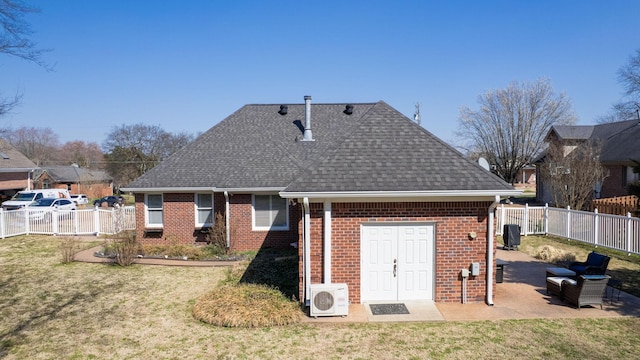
490, 241
327, 242
306, 257
226, 218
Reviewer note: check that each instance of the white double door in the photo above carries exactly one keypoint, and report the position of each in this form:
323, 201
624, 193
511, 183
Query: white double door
397, 262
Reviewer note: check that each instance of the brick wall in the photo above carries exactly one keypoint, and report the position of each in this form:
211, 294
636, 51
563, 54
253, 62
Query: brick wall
179, 223
453, 249
614, 184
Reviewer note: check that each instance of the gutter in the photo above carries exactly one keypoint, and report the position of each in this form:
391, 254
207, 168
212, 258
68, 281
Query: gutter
306, 235
490, 241
226, 218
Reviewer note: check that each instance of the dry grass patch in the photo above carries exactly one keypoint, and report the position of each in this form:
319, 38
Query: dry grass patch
551, 254
247, 306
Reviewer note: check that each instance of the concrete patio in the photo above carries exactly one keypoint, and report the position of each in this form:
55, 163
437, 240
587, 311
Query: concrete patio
522, 295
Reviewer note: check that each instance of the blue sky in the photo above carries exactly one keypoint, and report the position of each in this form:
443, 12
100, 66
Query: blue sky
186, 65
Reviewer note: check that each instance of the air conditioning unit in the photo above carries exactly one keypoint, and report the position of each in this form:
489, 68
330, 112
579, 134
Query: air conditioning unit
329, 300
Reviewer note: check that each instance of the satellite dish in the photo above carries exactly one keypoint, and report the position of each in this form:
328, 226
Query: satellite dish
484, 163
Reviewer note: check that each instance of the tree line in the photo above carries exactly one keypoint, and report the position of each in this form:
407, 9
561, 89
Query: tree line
127, 153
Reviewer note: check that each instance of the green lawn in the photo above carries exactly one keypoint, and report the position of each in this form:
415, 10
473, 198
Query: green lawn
90, 311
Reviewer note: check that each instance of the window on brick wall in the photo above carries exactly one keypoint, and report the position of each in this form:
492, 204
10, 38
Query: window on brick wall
270, 212
153, 210
204, 210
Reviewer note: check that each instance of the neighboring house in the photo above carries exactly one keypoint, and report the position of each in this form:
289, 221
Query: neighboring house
369, 197
620, 145
16, 171
93, 183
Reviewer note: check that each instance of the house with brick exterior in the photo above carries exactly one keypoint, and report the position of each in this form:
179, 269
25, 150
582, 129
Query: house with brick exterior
16, 171
370, 199
93, 183
619, 147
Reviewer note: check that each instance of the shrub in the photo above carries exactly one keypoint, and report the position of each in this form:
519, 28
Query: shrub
246, 306
125, 247
68, 248
217, 235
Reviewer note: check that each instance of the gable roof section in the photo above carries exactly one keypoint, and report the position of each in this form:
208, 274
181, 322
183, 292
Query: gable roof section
12, 160
374, 149
74, 174
387, 152
572, 132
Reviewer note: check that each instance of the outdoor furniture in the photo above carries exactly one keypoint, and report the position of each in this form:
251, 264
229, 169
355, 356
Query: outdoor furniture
554, 284
500, 270
596, 264
586, 290
559, 271
511, 236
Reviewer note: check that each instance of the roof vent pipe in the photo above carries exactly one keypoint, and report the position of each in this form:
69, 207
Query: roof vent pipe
348, 109
308, 136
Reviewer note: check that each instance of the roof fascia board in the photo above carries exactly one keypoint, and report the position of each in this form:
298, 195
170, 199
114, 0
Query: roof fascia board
168, 189
389, 196
265, 190
17, 169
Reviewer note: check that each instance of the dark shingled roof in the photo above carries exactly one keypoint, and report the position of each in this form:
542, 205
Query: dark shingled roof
620, 140
74, 174
12, 159
374, 149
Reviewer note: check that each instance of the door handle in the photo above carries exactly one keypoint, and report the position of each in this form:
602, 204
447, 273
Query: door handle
395, 267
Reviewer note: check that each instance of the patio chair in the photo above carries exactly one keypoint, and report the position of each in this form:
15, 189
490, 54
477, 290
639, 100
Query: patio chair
596, 264
586, 290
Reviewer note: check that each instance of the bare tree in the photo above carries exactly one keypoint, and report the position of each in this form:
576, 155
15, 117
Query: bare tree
573, 173
38, 144
14, 41
132, 150
85, 155
511, 124
629, 106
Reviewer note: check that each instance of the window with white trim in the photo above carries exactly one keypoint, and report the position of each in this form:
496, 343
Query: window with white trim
204, 210
270, 212
153, 210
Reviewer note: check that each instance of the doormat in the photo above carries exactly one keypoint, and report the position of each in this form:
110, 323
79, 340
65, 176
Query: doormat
388, 309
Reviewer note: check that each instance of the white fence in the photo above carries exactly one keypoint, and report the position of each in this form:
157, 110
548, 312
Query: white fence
93, 221
612, 231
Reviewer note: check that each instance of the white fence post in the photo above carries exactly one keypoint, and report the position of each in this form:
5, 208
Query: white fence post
525, 219
595, 227
568, 222
546, 218
502, 218
3, 224
628, 221
96, 220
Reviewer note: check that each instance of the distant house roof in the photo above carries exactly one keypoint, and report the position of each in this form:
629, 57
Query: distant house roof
373, 148
73, 174
619, 139
12, 160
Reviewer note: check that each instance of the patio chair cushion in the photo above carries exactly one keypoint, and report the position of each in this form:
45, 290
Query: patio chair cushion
596, 264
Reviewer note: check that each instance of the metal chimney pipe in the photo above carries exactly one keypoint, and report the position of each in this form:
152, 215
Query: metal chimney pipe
308, 136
